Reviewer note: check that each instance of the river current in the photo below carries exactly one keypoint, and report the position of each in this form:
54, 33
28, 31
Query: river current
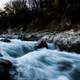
39, 64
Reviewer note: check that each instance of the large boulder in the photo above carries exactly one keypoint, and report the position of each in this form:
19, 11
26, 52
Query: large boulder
69, 41
5, 66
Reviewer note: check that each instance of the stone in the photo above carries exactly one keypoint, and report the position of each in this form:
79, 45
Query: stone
41, 44
5, 40
68, 41
23, 38
5, 66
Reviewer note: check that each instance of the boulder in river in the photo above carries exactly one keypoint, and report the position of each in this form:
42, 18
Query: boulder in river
5, 66
41, 44
5, 40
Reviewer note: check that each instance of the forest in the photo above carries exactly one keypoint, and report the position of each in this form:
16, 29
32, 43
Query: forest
36, 15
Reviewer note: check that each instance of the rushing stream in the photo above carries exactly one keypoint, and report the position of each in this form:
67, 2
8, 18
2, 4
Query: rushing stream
39, 64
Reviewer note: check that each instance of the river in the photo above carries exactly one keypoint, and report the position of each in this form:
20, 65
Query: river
39, 64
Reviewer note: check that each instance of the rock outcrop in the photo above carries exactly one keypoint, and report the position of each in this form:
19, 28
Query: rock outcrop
69, 41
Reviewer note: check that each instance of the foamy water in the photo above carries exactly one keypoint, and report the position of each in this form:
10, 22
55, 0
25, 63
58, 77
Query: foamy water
40, 64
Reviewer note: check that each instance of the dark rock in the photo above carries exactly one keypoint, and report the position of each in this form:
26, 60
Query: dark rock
1, 55
5, 40
29, 38
23, 38
5, 66
34, 38
41, 44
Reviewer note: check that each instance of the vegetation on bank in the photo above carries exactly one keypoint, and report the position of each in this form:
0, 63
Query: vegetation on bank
36, 15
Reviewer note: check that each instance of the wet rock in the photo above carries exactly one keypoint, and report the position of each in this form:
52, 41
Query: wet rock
68, 41
49, 37
5, 66
1, 55
28, 37
23, 38
34, 38
5, 40
41, 44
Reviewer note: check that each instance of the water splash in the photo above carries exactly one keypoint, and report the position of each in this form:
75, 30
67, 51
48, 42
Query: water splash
41, 64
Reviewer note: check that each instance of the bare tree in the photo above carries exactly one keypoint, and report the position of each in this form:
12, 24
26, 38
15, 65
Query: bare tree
15, 5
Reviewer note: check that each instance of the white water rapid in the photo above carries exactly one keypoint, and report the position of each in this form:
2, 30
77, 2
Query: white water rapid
39, 64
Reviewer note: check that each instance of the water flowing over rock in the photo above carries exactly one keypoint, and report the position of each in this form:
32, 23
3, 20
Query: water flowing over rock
47, 64
23, 61
5, 40
65, 65
16, 48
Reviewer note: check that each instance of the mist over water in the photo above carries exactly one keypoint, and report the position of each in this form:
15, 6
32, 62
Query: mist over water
30, 63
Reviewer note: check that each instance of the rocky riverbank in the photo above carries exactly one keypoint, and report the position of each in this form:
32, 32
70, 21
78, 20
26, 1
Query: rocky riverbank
65, 41
68, 41
19, 45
